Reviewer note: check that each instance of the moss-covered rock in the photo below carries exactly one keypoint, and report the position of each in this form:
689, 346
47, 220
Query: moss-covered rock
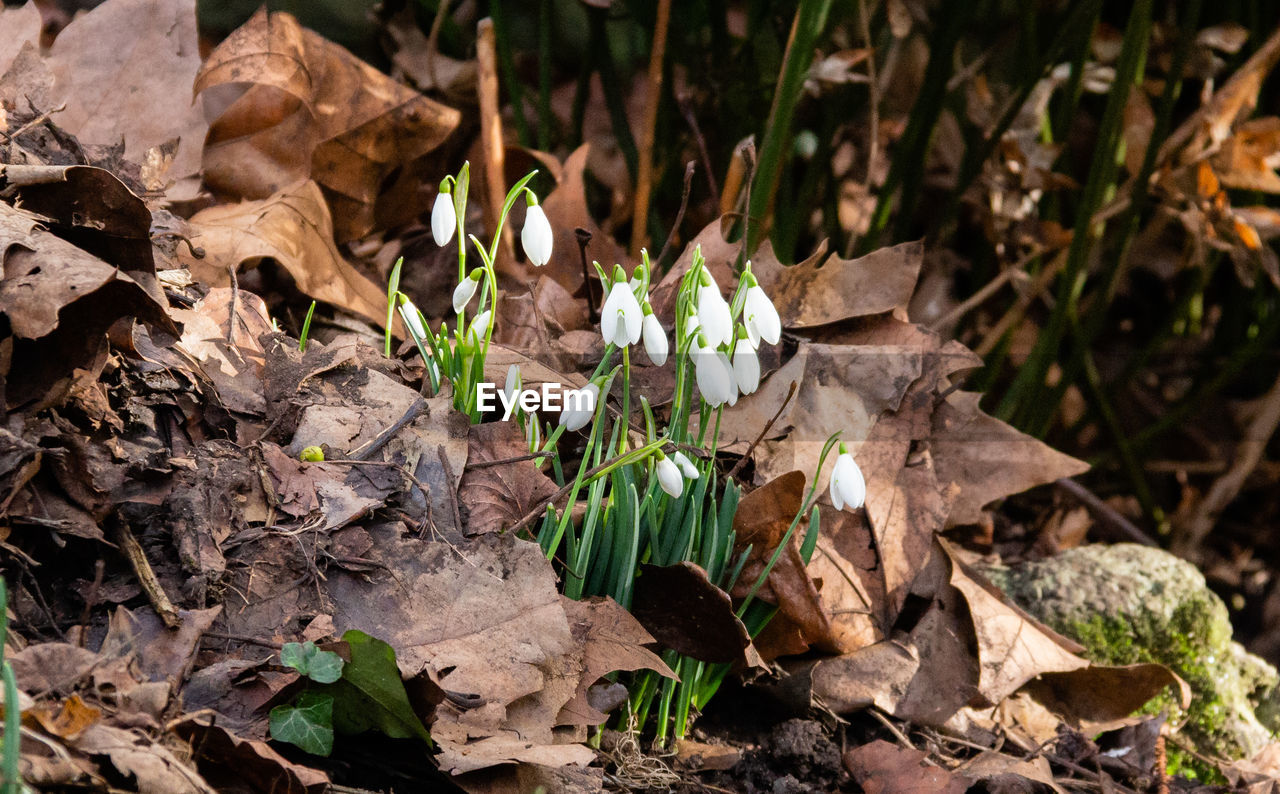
1128, 603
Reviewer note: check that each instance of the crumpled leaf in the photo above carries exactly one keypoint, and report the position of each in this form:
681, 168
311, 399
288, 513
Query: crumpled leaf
226, 350
311, 110
227, 759
65, 720
161, 654
59, 301
292, 227
685, 612
814, 292
498, 496
155, 769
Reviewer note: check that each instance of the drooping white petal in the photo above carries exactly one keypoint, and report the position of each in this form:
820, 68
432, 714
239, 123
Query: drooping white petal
669, 477
621, 320
579, 410
687, 468
733, 381
714, 317
409, 313
655, 340
536, 236
847, 482
761, 317
715, 380
463, 293
513, 382
836, 500
444, 220
746, 366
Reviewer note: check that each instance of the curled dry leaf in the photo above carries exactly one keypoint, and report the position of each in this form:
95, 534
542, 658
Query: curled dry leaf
293, 228
309, 109
882, 767
155, 769
60, 300
227, 760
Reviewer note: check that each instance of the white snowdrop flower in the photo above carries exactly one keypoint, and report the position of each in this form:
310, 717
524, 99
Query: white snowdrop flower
578, 412
687, 468
480, 326
536, 236
715, 380
655, 338
444, 219
513, 382
746, 366
848, 488
760, 317
466, 290
412, 318
621, 320
714, 317
669, 477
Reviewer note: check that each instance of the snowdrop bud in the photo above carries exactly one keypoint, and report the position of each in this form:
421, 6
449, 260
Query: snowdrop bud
513, 382
621, 320
713, 316
848, 488
669, 477
655, 338
687, 468
465, 290
761, 317
409, 313
746, 366
480, 326
715, 380
536, 236
444, 220
577, 412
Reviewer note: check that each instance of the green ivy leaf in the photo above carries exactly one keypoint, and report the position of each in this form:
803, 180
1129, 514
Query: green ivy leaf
308, 723
323, 667
371, 695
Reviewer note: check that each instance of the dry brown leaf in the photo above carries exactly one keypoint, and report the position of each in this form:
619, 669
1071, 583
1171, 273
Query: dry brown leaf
60, 301
814, 292
989, 459
227, 759
1002, 772
498, 496
21, 25
684, 611
227, 353
162, 654
311, 110
1249, 158
462, 751
293, 228
611, 640
155, 768
124, 70
65, 720
51, 665
882, 767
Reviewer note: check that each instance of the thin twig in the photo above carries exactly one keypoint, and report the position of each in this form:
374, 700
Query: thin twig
584, 239
644, 173
235, 298
453, 495
484, 464
218, 635
1105, 513
1017, 311
686, 109
684, 204
1227, 487
368, 450
433, 42
976, 299
146, 575
768, 425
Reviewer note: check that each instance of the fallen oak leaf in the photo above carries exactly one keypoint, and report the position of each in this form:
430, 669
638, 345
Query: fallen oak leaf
499, 496
293, 228
312, 110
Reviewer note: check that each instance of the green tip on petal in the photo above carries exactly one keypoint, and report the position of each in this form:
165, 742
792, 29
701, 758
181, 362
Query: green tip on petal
843, 449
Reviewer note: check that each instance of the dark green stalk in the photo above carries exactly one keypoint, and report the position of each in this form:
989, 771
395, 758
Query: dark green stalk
507, 63
544, 75
810, 20
1024, 400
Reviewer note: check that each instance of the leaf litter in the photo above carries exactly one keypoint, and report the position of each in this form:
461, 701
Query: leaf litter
169, 403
